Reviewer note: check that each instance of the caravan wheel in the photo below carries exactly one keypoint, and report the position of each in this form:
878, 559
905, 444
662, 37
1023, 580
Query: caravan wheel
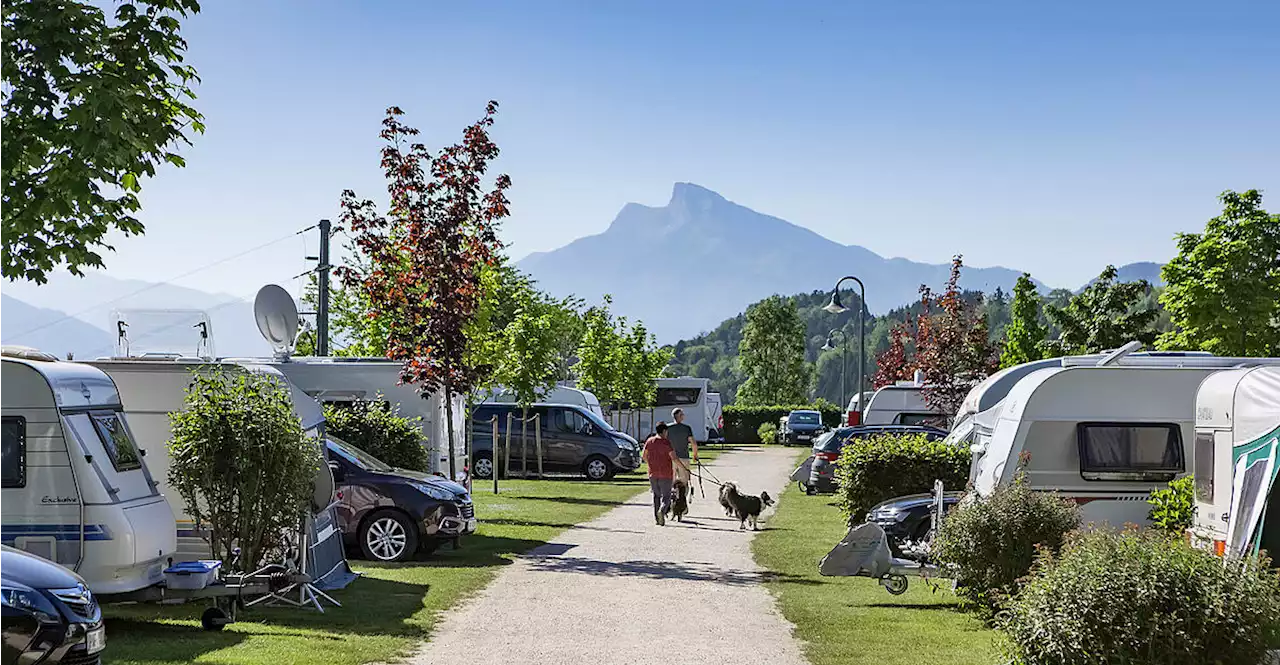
214, 619
894, 584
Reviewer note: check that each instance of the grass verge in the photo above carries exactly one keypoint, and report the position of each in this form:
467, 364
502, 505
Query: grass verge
390, 609
852, 620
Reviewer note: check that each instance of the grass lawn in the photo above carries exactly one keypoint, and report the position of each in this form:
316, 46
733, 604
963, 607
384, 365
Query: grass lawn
386, 612
848, 620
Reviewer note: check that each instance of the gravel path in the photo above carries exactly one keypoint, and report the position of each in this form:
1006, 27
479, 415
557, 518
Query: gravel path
621, 590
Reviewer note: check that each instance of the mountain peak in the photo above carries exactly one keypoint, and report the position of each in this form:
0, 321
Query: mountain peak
687, 192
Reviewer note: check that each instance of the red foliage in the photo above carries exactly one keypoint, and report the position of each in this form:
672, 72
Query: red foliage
425, 255
952, 345
892, 364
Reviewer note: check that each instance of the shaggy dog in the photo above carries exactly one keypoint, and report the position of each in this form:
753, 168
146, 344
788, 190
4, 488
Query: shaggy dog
679, 500
745, 507
724, 503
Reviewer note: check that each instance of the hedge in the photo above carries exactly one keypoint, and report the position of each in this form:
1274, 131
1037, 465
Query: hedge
380, 431
886, 466
741, 423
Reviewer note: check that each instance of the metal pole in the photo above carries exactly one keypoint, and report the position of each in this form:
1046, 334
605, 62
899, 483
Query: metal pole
322, 300
844, 369
862, 345
537, 440
494, 456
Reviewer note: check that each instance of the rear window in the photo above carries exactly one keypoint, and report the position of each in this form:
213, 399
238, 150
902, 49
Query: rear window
115, 438
1126, 451
14, 443
1204, 466
918, 419
677, 396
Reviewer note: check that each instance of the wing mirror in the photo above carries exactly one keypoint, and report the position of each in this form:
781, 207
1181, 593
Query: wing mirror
336, 470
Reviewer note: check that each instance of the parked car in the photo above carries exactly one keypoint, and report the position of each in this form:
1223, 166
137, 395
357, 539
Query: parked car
391, 514
817, 474
907, 519
50, 616
573, 439
800, 427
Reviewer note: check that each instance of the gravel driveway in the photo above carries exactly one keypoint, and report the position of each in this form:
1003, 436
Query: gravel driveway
621, 590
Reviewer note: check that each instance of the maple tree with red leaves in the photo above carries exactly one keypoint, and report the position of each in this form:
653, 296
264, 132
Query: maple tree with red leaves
893, 364
953, 346
426, 255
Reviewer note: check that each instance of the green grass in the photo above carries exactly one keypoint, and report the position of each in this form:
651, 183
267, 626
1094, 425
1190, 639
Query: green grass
852, 620
390, 609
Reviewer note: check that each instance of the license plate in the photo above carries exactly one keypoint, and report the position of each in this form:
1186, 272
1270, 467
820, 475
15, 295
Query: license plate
471, 524
95, 640
803, 437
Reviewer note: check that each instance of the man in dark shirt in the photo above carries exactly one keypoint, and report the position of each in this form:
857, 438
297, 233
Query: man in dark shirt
682, 441
661, 460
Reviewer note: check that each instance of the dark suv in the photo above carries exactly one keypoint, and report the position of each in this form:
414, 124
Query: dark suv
574, 438
393, 514
819, 476
49, 614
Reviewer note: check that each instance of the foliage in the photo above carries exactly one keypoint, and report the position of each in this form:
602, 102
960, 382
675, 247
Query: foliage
90, 104
1142, 598
1173, 509
952, 345
1024, 337
1103, 316
893, 364
767, 432
377, 428
641, 362
241, 462
885, 466
990, 543
426, 256
742, 423
772, 354
598, 368
1223, 287
353, 331
528, 364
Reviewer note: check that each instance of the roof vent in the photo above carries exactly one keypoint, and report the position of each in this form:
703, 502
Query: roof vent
27, 353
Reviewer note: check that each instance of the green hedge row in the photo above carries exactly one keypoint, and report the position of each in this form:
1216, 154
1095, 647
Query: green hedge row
741, 423
887, 466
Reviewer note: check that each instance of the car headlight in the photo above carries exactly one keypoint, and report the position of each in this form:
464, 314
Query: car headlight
437, 493
30, 601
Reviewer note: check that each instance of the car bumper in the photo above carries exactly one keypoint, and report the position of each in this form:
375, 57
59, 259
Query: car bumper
450, 521
627, 460
799, 437
30, 642
822, 476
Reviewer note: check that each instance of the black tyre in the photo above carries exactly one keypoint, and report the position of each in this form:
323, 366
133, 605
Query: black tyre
482, 466
388, 535
214, 619
597, 468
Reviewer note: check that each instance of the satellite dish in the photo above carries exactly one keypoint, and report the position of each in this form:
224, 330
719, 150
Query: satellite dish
277, 318
323, 489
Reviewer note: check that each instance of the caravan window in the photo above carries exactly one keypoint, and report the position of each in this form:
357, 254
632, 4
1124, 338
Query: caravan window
1204, 466
115, 438
1127, 451
15, 451
677, 396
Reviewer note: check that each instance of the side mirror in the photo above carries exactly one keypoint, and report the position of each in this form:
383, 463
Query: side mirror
338, 475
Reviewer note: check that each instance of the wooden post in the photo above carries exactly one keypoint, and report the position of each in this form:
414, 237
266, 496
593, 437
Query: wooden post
508, 444
494, 457
537, 440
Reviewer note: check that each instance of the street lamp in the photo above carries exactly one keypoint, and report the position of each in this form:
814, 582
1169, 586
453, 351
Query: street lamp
835, 307
844, 363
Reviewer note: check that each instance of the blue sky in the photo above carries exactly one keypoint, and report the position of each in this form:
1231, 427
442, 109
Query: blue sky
1051, 137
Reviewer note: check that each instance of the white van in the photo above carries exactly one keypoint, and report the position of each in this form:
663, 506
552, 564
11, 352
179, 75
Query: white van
1236, 447
558, 395
77, 487
686, 392
902, 403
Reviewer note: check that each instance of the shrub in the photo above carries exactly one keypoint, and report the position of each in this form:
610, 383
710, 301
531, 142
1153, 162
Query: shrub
378, 428
990, 543
1143, 598
1174, 509
768, 433
241, 462
882, 467
742, 423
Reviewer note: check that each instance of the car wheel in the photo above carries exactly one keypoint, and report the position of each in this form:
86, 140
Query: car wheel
482, 467
388, 535
597, 468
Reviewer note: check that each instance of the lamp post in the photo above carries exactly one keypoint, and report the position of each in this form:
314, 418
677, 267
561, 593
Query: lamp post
835, 307
844, 363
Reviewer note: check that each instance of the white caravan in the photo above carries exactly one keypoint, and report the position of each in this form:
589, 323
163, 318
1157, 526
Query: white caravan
686, 392
155, 386
1236, 447
1103, 431
901, 404
77, 488
559, 395
715, 414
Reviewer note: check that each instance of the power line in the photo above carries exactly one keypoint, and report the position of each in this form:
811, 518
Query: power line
165, 282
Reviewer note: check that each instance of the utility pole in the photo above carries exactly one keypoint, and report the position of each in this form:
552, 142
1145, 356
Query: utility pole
322, 300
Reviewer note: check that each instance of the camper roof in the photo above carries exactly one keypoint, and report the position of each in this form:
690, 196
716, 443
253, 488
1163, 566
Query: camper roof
74, 385
1247, 400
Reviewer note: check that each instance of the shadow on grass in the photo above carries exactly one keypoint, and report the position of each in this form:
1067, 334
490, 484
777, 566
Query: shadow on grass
477, 551
143, 639
519, 522
370, 606
928, 607
661, 570
577, 500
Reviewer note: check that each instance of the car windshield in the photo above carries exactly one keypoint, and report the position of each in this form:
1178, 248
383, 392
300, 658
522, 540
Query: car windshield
805, 418
597, 420
356, 456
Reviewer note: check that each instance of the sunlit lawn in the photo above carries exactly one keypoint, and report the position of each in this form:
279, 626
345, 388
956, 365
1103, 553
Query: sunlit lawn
850, 620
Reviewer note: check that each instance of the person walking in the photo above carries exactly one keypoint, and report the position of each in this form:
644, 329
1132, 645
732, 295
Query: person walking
682, 441
662, 462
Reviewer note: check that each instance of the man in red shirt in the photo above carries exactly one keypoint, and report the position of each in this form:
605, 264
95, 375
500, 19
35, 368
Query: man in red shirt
661, 458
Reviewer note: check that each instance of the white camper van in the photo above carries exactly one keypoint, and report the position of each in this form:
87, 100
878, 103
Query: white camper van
558, 395
1236, 447
1103, 431
686, 392
77, 487
901, 404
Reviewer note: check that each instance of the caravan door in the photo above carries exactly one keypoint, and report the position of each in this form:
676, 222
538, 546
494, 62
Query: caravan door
1254, 488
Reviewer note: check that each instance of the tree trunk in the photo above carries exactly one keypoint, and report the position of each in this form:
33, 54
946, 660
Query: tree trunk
524, 442
448, 419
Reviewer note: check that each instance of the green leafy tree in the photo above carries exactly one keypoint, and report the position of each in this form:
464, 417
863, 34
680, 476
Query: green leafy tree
91, 107
378, 428
1223, 288
1105, 315
772, 354
1024, 337
953, 345
355, 331
241, 462
642, 363
599, 363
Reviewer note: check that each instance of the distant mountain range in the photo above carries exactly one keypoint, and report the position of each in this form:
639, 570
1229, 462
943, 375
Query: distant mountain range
684, 267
